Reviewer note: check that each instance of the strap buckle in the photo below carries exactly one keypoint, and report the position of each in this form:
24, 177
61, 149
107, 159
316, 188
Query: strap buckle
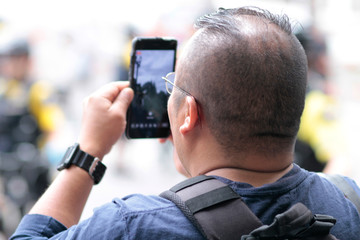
93, 166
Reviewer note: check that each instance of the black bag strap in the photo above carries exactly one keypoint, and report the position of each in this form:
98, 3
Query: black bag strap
209, 203
296, 223
219, 213
340, 182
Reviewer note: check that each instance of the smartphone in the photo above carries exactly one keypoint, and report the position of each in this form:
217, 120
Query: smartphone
151, 59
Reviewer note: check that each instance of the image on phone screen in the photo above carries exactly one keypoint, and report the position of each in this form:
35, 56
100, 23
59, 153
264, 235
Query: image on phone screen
149, 116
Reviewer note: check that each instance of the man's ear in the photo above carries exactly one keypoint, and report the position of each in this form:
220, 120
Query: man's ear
191, 115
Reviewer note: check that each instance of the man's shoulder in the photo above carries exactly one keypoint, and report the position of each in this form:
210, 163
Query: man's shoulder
143, 203
153, 216
137, 206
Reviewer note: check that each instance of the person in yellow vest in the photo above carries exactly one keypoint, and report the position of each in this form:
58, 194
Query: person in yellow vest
319, 134
28, 116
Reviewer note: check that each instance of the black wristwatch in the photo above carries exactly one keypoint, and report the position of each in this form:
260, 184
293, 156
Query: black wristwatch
92, 165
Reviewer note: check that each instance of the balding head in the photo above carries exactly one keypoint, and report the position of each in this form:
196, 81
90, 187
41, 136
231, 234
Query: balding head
248, 73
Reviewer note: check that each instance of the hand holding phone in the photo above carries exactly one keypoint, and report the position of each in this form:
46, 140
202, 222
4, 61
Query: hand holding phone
104, 115
151, 59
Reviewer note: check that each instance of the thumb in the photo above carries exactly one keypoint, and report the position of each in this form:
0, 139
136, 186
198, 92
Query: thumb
124, 99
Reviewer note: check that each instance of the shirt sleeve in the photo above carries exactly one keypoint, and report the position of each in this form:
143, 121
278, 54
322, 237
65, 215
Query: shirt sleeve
132, 217
105, 219
35, 226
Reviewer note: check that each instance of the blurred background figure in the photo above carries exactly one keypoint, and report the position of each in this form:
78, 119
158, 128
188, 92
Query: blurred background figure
319, 134
28, 116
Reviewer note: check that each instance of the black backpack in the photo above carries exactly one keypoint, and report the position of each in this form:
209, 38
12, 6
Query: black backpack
217, 211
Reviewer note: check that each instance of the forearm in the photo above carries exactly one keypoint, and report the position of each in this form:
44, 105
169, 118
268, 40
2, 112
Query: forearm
103, 123
66, 197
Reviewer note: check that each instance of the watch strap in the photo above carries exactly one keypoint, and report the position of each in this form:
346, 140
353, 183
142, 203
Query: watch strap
89, 163
83, 160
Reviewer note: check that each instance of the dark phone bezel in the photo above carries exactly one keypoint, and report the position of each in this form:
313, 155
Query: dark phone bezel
148, 43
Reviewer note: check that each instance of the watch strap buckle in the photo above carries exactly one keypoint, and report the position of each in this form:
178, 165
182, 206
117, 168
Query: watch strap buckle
97, 170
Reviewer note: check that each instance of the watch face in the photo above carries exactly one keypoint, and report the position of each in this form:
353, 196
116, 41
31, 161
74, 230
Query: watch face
66, 160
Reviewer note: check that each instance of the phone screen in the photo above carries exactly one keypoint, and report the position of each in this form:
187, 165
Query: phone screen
147, 115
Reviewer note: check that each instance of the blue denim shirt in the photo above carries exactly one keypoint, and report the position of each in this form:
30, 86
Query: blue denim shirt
151, 217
